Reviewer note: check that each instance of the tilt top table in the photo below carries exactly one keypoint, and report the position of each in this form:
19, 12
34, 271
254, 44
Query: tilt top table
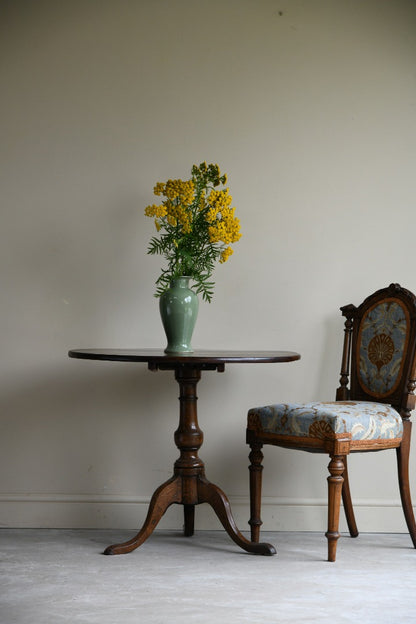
188, 486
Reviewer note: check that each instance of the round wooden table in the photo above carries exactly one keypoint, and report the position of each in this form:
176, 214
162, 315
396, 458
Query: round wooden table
188, 486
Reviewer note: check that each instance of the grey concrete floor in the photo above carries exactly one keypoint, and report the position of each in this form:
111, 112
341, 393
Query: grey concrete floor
59, 576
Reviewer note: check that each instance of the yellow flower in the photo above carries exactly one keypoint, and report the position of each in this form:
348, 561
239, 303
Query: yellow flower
159, 188
155, 211
202, 202
225, 254
186, 227
179, 190
211, 215
220, 199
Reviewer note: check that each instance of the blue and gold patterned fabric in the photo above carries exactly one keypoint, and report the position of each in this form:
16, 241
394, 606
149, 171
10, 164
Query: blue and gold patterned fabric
382, 341
362, 420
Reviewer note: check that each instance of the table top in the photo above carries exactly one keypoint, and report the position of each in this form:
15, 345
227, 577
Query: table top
197, 357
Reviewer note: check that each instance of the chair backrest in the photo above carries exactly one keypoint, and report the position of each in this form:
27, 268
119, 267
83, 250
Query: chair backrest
379, 357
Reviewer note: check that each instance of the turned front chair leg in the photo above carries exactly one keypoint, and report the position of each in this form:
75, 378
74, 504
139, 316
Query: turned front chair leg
335, 481
256, 469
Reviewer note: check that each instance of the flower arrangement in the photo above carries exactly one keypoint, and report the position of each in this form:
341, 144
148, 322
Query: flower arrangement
196, 224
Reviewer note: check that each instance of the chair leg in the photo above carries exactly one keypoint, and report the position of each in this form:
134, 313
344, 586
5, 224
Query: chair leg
403, 470
347, 502
335, 481
256, 469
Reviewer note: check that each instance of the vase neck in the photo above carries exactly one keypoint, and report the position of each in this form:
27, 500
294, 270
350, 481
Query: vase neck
181, 282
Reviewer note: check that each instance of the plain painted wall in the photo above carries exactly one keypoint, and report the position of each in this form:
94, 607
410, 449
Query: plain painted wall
309, 107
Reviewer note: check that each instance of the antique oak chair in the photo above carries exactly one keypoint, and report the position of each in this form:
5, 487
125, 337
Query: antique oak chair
371, 411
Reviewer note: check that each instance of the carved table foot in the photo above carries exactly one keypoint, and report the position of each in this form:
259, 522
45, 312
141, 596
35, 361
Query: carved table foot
166, 494
211, 494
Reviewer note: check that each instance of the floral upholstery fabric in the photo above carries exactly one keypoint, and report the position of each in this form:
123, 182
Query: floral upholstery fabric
363, 420
381, 346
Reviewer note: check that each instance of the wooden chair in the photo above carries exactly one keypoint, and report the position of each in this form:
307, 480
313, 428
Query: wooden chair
371, 411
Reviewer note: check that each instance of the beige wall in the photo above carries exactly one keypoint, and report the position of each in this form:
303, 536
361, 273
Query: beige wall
309, 106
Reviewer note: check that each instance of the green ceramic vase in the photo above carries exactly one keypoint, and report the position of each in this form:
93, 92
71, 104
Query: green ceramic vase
178, 307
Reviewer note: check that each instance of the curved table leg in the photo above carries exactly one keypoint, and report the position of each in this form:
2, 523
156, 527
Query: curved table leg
211, 494
166, 494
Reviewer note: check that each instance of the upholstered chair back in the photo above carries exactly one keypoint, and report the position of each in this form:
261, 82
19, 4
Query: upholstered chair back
379, 349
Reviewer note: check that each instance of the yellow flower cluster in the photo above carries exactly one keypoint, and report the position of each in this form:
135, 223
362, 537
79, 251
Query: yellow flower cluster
225, 254
179, 197
156, 211
179, 214
224, 226
220, 199
179, 190
202, 201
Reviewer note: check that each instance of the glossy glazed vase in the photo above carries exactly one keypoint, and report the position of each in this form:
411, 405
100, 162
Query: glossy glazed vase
178, 307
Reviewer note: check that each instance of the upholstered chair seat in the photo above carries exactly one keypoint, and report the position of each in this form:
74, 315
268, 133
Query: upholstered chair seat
371, 411
359, 420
